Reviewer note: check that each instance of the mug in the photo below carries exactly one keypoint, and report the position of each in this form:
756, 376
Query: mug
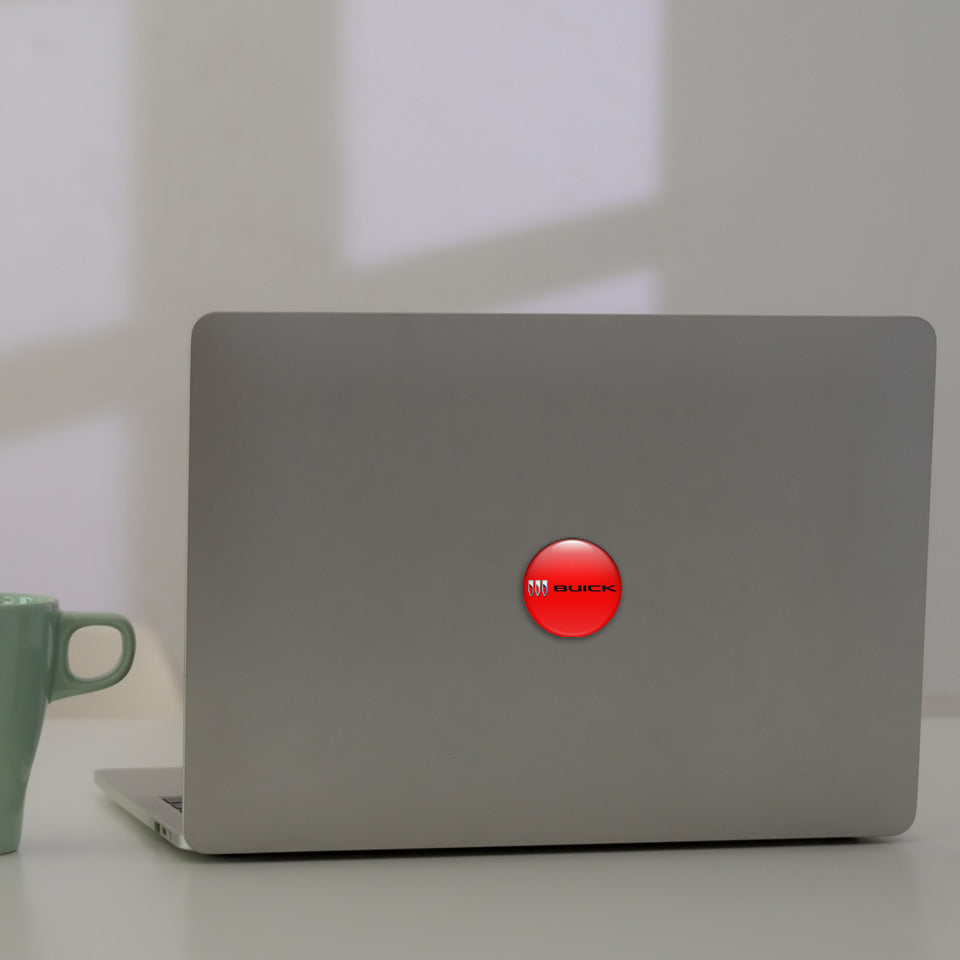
34, 670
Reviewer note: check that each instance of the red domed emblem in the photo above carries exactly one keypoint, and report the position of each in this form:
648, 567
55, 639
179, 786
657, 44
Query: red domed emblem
572, 588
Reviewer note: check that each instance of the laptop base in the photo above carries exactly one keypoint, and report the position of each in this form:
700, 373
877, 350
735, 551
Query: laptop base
144, 794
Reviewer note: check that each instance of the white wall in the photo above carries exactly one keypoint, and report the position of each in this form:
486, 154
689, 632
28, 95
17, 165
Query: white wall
165, 158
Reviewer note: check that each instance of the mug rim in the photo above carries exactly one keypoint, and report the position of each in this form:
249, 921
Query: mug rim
13, 600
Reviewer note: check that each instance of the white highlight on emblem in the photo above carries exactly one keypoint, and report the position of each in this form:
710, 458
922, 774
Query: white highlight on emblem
536, 588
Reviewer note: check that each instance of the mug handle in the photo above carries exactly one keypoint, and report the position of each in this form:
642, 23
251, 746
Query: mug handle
63, 682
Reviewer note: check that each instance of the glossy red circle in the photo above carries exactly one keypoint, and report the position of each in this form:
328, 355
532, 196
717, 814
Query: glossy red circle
572, 588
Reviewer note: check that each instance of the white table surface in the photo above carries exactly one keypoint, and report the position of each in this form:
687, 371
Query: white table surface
89, 881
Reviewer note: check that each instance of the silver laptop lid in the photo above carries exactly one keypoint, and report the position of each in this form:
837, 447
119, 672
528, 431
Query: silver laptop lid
367, 491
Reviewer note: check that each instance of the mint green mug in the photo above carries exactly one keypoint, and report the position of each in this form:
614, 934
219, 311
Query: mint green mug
34, 670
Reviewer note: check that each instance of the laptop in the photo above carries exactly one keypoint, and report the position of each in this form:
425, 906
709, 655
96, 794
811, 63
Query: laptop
493, 581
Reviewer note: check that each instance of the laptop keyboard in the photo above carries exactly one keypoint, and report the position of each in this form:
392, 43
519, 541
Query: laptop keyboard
175, 802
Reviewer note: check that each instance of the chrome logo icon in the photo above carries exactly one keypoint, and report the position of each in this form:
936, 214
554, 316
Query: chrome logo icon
572, 588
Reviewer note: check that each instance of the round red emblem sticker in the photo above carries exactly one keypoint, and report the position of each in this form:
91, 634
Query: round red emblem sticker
572, 588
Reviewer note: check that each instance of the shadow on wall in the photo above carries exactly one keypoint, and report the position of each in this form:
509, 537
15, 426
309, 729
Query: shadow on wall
165, 159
